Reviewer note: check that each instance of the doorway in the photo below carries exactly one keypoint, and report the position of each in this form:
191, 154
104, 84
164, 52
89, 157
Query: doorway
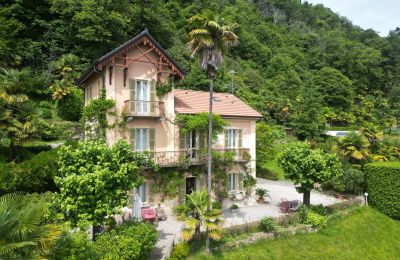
190, 185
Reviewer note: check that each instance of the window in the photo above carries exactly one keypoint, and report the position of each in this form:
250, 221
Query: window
88, 93
142, 139
141, 95
235, 181
233, 138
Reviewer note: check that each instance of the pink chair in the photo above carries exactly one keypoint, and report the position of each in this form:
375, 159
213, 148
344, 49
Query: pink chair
149, 214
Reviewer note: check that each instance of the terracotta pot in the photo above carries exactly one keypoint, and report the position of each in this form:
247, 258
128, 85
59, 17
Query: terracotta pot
340, 196
261, 200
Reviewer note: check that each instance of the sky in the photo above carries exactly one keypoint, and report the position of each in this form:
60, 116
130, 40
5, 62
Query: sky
379, 15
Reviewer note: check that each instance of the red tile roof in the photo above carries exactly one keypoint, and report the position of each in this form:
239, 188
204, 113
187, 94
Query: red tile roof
225, 104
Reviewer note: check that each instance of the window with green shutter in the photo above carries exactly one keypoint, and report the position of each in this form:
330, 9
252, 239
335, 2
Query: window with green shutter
152, 96
151, 139
132, 90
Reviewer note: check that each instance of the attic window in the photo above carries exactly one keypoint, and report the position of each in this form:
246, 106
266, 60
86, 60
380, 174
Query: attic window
216, 99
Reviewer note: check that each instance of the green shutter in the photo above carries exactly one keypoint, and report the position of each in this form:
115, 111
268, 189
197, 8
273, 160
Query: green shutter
132, 138
240, 138
182, 139
202, 181
226, 139
228, 182
151, 139
182, 191
152, 96
240, 180
132, 88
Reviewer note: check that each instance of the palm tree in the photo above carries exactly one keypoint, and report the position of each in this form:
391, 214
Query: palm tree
209, 39
196, 214
15, 107
354, 147
22, 232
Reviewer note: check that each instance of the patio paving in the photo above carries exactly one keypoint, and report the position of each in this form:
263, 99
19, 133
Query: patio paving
277, 190
170, 229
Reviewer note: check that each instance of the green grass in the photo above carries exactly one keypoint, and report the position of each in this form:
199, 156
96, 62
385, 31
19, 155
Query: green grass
364, 234
273, 166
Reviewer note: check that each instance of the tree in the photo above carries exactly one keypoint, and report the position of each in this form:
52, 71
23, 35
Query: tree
22, 229
16, 110
306, 167
94, 180
209, 39
354, 147
196, 213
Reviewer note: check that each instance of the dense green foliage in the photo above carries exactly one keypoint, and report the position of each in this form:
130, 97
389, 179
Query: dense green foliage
383, 186
268, 224
343, 238
33, 175
23, 230
299, 64
127, 241
306, 167
94, 179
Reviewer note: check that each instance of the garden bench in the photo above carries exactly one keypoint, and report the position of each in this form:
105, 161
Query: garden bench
148, 214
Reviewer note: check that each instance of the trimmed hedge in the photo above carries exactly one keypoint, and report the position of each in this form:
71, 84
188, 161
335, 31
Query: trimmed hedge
383, 185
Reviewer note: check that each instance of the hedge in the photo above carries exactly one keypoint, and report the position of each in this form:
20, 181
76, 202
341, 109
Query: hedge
383, 186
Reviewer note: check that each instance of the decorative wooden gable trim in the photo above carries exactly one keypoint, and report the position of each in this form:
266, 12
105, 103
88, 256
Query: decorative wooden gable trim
119, 57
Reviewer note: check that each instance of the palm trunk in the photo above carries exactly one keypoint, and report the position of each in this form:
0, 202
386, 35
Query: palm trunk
211, 75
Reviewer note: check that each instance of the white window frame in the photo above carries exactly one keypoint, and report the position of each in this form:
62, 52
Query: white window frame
142, 107
234, 182
139, 144
233, 136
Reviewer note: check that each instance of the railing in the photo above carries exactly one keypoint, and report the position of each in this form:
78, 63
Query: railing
142, 108
196, 157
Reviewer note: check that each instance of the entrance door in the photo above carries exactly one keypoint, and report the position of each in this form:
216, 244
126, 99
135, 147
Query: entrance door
190, 185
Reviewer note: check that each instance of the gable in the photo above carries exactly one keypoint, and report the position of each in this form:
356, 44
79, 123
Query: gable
147, 47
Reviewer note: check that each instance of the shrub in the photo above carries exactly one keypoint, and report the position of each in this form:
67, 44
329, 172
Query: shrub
180, 251
268, 224
303, 211
46, 131
34, 175
70, 107
383, 186
73, 246
216, 205
128, 241
233, 207
46, 113
264, 173
315, 219
320, 209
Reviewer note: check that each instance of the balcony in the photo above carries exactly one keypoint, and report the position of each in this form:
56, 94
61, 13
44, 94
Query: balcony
139, 108
196, 157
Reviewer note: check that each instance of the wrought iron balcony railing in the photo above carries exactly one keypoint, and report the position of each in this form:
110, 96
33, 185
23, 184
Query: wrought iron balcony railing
142, 108
196, 157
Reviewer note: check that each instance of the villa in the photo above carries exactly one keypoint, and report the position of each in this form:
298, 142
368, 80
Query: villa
130, 75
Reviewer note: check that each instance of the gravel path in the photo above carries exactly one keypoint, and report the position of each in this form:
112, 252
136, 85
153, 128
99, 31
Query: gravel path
277, 190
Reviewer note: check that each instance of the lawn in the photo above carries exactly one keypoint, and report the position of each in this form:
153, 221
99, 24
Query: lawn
365, 234
273, 166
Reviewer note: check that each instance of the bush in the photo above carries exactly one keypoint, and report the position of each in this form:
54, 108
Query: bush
383, 186
320, 209
46, 113
46, 131
180, 251
73, 246
216, 205
352, 181
70, 107
264, 173
315, 219
268, 224
34, 175
128, 241
234, 207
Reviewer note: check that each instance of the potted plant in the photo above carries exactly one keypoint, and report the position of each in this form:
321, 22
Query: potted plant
262, 193
234, 207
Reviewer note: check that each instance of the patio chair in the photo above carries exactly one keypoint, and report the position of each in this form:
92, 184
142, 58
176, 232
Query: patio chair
284, 205
294, 205
148, 214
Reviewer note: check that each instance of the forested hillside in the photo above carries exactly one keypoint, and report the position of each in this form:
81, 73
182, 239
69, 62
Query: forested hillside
300, 65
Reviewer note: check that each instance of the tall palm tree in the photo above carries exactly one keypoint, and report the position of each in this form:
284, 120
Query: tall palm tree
22, 232
196, 214
209, 39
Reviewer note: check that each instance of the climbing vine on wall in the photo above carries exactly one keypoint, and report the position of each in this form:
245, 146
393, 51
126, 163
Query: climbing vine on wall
199, 122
